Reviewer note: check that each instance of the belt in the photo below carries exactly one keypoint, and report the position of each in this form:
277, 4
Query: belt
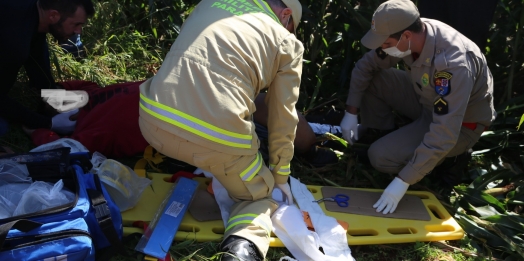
472, 126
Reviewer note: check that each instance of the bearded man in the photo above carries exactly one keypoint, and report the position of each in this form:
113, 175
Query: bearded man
23, 28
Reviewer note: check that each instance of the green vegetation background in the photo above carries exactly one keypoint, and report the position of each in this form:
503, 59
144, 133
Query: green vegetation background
127, 40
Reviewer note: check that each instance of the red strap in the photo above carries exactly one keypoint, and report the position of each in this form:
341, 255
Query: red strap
470, 125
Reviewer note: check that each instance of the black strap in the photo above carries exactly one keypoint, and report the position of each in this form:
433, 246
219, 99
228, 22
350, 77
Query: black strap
23, 225
103, 215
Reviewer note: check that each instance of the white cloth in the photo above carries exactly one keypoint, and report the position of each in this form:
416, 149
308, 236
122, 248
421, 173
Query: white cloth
332, 235
289, 225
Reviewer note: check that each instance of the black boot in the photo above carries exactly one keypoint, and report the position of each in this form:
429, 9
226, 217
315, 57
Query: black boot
236, 248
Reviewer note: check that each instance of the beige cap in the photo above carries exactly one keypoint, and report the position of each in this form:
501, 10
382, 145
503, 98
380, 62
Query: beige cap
390, 17
296, 8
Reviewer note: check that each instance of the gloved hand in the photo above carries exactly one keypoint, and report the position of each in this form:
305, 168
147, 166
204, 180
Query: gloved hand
348, 124
201, 171
61, 123
286, 192
391, 196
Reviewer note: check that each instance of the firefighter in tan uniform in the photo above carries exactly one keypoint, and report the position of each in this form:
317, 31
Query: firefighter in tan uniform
198, 108
446, 89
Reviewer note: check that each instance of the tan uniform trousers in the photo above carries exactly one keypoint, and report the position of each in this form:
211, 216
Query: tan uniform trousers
391, 90
250, 215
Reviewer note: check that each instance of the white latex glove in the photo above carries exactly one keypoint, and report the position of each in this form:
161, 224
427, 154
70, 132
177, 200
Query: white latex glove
286, 192
201, 171
349, 124
391, 196
61, 123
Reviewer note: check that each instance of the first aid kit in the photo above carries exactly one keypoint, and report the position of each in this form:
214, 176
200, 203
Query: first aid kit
84, 221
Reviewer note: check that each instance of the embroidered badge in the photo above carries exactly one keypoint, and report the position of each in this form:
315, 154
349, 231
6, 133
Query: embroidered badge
443, 83
440, 107
425, 79
373, 25
381, 54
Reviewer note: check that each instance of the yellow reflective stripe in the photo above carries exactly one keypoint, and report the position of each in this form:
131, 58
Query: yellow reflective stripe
240, 219
284, 170
194, 125
248, 219
249, 173
264, 6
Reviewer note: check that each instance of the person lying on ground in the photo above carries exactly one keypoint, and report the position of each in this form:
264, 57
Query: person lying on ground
108, 123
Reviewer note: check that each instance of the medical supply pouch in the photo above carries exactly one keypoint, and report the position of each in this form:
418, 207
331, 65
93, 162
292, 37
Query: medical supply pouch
29, 240
90, 221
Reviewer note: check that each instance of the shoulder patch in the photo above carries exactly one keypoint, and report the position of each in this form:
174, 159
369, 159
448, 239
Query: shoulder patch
442, 83
381, 54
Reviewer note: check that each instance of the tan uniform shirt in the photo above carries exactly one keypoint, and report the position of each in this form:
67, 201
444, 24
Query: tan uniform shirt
226, 53
448, 59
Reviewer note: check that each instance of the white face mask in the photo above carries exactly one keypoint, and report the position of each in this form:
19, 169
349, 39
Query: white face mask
395, 52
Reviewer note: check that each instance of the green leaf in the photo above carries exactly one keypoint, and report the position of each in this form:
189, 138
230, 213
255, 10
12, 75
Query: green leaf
511, 221
521, 121
482, 234
478, 197
482, 182
485, 211
325, 42
517, 194
154, 32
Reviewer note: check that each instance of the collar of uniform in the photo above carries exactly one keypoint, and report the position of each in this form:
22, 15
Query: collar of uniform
267, 9
426, 57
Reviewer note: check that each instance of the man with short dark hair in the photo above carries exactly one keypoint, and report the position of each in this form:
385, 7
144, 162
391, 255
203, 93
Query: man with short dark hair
23, 27
446, 89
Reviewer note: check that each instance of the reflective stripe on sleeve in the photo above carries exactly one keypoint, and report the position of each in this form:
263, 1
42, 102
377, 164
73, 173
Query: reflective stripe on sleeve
248, 219
194, 125
284, 170
252, 170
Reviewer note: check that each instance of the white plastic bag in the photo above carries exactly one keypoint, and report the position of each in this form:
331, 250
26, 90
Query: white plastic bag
123, 185
10, 195
41, 195
97, 159
13, 172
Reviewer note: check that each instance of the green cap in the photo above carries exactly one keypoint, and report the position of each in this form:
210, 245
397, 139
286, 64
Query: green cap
296, 9
390, 17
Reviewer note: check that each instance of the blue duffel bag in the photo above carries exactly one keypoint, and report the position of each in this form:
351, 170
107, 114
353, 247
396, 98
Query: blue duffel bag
72, 231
